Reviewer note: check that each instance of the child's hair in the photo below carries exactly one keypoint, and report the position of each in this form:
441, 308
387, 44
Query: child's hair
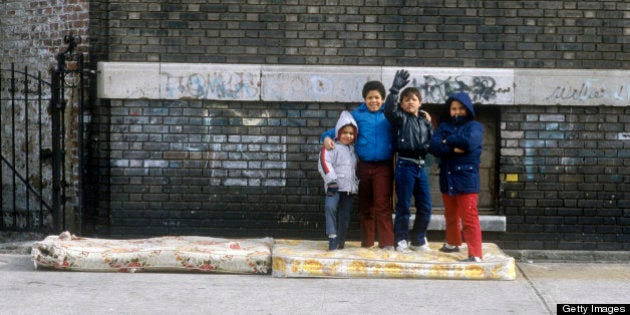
373, 85
409, 92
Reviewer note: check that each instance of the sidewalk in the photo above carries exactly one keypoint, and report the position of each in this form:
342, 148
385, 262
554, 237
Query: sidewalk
538, 287
536, 290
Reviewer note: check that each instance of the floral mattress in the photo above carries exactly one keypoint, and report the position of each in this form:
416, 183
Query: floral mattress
296, 258
170, 253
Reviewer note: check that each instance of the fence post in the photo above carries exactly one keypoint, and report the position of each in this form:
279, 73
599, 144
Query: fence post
55, 106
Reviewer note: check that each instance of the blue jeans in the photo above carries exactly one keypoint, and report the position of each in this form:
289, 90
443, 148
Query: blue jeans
411, 180
337, 210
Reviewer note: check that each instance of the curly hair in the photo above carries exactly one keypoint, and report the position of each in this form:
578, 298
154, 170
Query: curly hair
373, 85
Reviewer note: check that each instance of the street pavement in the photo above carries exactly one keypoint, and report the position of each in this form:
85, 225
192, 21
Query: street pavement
538, 287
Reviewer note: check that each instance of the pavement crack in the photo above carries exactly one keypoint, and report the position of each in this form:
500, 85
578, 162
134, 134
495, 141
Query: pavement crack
538, 293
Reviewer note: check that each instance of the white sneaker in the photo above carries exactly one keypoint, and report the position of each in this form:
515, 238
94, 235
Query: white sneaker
388, 248
403, 247
424, 247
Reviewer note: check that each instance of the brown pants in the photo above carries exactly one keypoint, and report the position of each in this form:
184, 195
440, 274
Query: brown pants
375, 203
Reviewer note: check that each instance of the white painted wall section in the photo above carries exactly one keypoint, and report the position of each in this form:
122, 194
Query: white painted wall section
573, 87
308, 83
316, 83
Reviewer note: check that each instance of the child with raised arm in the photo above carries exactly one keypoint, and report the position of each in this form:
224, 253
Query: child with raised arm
338, 169
413, 131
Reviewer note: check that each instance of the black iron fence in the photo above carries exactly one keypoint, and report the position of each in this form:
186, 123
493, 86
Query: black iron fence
26, 150
35, 127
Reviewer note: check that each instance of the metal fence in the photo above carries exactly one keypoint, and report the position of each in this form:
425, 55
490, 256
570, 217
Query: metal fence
33, 136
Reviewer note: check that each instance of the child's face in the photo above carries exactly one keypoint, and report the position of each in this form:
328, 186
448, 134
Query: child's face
458, 109
373, 100
410, 104
346, 135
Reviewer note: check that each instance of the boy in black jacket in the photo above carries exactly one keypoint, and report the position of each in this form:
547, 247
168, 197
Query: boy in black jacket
413, 134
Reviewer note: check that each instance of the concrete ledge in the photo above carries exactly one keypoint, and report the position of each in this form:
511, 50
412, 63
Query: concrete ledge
302, 83
489, 223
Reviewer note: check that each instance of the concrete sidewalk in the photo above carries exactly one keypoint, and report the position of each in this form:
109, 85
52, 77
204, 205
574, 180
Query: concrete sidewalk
539, 286
536, 290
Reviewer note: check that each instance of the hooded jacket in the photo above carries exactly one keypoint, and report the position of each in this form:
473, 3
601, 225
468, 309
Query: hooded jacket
339, 164
459, 172
375, 141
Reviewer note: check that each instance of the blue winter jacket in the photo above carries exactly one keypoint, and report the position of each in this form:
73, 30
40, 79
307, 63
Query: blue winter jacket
375, 140
459, 172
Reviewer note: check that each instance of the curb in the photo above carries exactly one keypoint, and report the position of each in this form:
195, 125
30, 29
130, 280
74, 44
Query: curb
569, 256
523, 256
17, 248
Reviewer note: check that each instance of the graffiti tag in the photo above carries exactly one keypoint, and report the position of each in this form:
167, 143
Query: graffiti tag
589, 91
480, 88
210, 86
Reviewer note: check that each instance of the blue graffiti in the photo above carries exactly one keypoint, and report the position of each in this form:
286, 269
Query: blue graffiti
207, 86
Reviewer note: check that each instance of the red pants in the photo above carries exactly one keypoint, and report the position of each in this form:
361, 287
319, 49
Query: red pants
375, 203
463, 208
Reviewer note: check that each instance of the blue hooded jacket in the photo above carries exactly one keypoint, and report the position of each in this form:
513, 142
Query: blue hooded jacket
459, 172
376, 135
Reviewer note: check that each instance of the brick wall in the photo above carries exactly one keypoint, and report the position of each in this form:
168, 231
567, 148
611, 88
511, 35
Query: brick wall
448, 33
563, 173
32, 32
573, 175
244, 169
563, 169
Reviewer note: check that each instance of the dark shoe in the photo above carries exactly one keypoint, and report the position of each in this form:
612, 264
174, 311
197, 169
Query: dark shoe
470, 259
332, 243
445, 249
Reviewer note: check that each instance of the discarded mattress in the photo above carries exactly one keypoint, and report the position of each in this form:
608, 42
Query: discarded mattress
296, 258
170, 253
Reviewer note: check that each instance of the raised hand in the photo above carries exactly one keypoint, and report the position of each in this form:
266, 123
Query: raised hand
400, 80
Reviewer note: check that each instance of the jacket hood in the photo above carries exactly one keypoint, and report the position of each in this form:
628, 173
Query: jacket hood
346, 119
464, 99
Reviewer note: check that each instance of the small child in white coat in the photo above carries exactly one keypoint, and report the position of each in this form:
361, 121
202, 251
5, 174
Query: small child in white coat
338, 169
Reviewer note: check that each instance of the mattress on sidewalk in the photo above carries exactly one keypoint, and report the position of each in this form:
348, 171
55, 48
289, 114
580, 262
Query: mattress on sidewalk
169, 253
296, 258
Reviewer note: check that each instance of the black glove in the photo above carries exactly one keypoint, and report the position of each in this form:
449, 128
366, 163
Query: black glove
332, 189
400, 80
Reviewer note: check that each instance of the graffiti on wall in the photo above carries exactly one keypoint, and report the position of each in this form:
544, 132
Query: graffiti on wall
482, 89
590, 89
300, 87
210, 85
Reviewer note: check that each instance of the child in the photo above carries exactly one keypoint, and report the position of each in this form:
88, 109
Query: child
413, 130
374, 149
338, 169
457, 142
